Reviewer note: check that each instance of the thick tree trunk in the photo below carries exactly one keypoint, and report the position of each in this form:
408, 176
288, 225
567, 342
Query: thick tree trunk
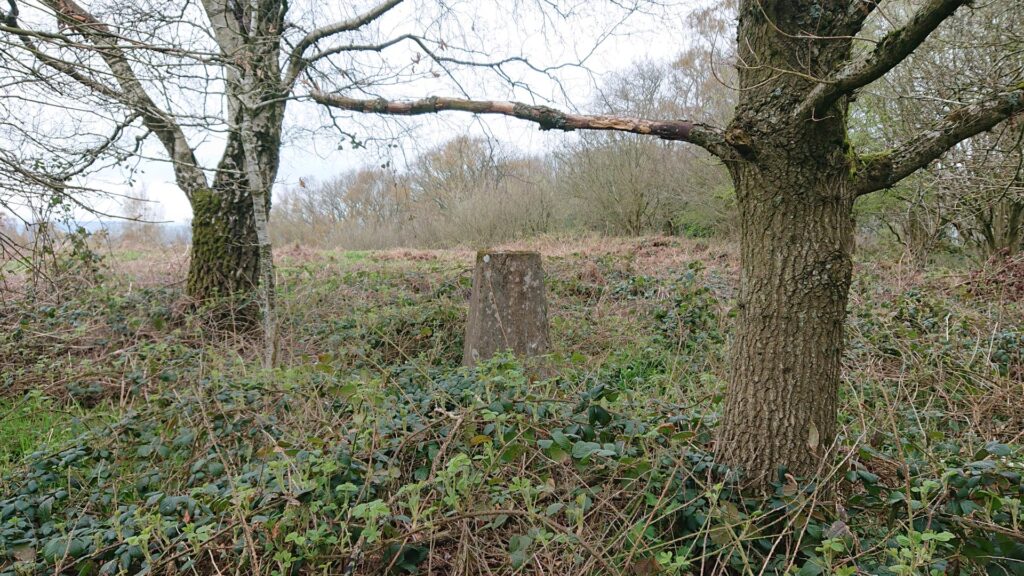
795, 202
225, 254
231, 252
797, 238
508, 309
225, 249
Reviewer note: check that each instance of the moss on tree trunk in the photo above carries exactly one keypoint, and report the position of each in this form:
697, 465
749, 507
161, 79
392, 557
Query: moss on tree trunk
225, 253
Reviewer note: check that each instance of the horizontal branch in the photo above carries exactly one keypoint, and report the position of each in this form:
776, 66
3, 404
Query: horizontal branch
885, 170
893, 49
707, 137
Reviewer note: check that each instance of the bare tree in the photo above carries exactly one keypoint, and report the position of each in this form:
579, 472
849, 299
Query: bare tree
468, 191
141, 219
626, 183
800, 63
138, 64
224, 71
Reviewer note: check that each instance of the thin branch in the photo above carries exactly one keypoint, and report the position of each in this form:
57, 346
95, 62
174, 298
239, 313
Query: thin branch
297, 60
71, 70
893, 49
883, 171
133, 94
707, 137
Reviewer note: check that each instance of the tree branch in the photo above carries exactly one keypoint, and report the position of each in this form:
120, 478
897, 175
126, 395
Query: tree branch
707, 137
893, 49
72, 71
132, 95
189, 175
297, 61
878, 172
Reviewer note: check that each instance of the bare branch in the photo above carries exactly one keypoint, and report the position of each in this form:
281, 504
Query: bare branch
28, 40
133, 94
297, 61
707, 137
878, 172
892, 50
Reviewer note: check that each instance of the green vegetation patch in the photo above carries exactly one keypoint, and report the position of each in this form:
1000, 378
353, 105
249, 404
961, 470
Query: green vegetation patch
369, 451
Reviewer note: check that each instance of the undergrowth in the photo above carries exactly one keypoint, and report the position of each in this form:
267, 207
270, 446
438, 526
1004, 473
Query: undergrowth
155, 444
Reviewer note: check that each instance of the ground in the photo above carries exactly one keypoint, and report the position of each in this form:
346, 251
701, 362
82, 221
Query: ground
138, 434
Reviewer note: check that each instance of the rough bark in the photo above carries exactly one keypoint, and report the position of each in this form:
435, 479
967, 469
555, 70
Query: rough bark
885, 170
224, 256
255, 111
508, 308
890, 51
796, 244
225, 250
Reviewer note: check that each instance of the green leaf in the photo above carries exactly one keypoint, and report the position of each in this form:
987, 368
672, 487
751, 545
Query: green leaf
812, 567
868, 477
581, 449
518, 546
997, 449
561, 439
557, 454
512, 452
598, 415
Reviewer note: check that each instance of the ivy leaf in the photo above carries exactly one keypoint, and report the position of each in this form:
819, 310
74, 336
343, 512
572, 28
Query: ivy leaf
581, 449
598, 415
997, 449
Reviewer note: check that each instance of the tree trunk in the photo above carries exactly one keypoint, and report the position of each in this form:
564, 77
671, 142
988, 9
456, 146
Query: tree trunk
260, 195
225, 251
508, 309
795, 202
797, 238
231, 252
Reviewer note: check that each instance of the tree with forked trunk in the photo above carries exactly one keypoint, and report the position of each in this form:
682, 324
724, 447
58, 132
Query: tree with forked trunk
222, 73
240, 58
796, 177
